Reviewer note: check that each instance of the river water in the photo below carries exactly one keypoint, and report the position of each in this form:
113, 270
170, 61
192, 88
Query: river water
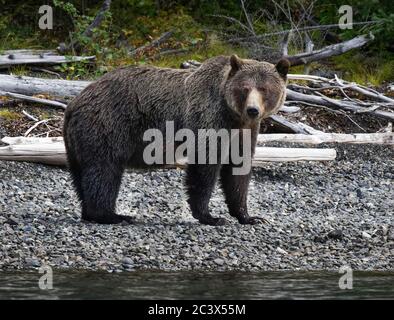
196, 285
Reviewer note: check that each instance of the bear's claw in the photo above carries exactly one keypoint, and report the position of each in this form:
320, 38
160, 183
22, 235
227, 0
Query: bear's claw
252, 220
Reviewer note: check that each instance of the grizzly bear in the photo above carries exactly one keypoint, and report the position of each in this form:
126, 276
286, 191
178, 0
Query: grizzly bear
104, 128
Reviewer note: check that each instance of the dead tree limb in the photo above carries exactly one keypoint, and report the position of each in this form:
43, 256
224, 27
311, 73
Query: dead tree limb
32, 86
29, 116
41, 59
98, 19
298, 127
29, 52
334, 103
75, 45
154, 44
68, 89
329, 51
53, 152
279, 33
386, 138
33, 99
315, 55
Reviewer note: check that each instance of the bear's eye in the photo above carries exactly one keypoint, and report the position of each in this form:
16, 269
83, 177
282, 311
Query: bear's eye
262, 89
245, 89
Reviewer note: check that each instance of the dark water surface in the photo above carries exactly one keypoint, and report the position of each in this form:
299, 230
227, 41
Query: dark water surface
196, 285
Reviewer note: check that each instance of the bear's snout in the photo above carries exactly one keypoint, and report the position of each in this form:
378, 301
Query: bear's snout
254, 104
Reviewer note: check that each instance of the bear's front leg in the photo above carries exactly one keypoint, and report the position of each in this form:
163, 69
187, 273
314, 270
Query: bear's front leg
235, 189
200, 182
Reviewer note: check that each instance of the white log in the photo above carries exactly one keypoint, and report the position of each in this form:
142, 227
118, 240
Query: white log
8, 60
31, 140
69, 89
386, 138
269, 154
330, 51
32, 86
335, 103
296, 127
370, 93
36, 52
54, 153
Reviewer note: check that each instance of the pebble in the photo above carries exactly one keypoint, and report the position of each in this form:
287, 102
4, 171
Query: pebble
219, 261
366, 235
281, 251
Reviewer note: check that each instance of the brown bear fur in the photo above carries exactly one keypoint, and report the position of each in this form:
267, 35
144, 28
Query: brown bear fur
104, 126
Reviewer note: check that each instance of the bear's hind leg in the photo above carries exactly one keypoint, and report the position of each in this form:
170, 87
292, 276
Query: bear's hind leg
100, 186
200, 181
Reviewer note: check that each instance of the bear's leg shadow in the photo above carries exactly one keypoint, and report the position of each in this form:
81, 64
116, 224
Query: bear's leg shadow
235, 189
100, 185
200, 182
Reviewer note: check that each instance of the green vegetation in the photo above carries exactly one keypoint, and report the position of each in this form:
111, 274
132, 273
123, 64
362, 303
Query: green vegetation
133, 23
366, 70
6, 114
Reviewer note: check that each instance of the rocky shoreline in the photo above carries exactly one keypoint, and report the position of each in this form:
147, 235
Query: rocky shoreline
320, 216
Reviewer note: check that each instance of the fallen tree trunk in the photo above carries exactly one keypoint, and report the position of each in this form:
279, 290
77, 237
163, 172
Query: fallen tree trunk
335, 103
293, 127
329, 51
15, 85
315, 55
386, 138
52, 152
41, 59
284, 32
35, 52
341, 84
32, 86
68, 89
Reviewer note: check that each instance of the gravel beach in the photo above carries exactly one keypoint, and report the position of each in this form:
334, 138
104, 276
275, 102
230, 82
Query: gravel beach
320, 216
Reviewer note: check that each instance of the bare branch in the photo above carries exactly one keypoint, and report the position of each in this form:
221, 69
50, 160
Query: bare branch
248, 20
309, 28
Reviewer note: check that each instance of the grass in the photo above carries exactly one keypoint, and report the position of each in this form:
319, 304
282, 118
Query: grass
366, 70
354, 65
214, 48
6, 114
19, 70
105, 63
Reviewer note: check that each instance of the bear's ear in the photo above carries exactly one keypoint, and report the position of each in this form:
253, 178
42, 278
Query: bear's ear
236, 64
283, 67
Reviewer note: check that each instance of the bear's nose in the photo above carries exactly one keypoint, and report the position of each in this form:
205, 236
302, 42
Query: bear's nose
252, 112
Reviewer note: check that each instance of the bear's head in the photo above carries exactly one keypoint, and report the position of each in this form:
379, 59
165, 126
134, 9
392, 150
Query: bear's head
255, 90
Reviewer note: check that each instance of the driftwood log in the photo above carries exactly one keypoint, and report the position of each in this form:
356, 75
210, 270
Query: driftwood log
52, 151
35, 52
13, 59
64, 89
385, 138
32, 86
330, 51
